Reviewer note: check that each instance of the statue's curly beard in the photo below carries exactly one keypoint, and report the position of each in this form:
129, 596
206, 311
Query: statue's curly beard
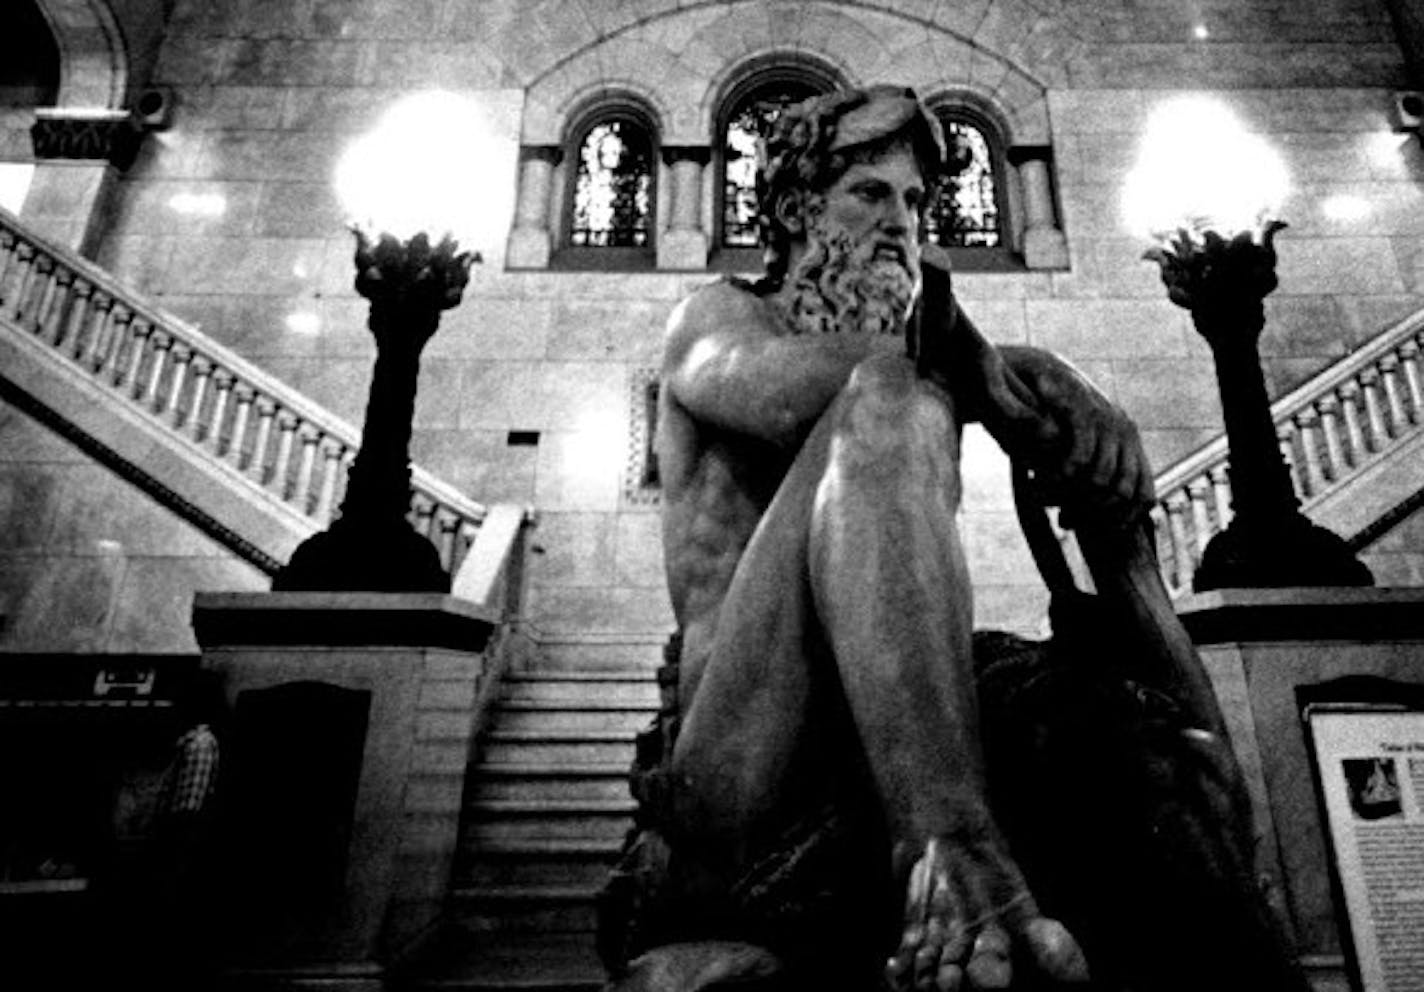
839, 286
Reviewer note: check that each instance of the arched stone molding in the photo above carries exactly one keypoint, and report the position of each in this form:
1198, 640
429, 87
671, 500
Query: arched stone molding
93, 55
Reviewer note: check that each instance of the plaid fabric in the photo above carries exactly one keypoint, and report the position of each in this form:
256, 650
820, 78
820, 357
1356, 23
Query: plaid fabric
192, 777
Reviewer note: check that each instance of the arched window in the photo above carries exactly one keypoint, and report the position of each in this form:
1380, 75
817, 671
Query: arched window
969, 210
611, 199
747, 113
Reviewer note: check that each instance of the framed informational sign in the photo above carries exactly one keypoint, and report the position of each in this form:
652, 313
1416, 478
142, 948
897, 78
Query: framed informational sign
1367, 751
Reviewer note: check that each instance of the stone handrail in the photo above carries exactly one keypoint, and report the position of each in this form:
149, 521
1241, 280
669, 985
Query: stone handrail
1342, 421
281, 441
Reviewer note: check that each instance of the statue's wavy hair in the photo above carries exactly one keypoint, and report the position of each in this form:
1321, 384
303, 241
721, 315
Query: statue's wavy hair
796, 157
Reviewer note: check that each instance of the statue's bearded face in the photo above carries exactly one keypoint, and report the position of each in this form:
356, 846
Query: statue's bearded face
860, 272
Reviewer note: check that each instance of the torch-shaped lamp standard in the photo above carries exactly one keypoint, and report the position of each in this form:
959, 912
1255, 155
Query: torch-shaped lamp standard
1223, 282
371, 545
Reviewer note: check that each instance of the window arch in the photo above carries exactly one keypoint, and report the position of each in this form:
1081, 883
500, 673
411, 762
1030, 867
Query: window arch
746, 113
610, 203
970, 216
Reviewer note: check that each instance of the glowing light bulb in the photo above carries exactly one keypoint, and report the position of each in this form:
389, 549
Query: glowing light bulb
1199, 168
425, 167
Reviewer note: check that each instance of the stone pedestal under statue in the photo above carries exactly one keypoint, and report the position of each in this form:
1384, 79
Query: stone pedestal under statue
1261, 647
350, 722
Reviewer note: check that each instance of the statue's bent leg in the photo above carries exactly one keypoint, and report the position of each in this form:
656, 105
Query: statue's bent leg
892, 592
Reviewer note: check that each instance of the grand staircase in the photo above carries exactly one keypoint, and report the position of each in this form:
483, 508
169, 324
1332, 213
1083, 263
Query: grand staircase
546, 809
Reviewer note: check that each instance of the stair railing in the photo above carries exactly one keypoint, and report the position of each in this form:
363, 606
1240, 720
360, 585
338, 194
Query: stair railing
1342, 421
281, 441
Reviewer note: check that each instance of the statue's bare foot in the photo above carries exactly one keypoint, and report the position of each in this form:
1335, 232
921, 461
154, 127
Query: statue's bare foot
970, 921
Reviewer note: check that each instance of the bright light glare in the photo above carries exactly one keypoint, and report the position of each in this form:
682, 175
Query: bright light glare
198, 204
1345, 207
1198, 168
303, 322
1385, 149
15, 178
1200, 33
425, 167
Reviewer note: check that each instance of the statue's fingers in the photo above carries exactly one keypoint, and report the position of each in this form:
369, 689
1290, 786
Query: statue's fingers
950, 977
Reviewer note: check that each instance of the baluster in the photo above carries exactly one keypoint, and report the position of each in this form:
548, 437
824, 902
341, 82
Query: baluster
136, 335
208, 429
1349, 403
1409, 361
69, 333
245, 396
1221, 492
1394, 402
1286, 440
1201, 519
1305, 427
1330, 428
182, 361
17, 279
51, 306
281, 468
257, 465
162, 346
32, 303
422, 515
1176, 511
445, 546
310, 438
100, 327
9, 249
202, 372
331, 452
1374, 416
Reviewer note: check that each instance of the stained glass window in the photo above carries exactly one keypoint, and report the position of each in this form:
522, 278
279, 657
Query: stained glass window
966, 210
613, 189
749, 123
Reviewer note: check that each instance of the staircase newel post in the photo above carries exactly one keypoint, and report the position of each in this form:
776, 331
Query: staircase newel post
1269, 542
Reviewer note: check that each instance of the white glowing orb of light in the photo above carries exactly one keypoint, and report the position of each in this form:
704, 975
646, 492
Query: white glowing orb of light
1200, 169
425, 167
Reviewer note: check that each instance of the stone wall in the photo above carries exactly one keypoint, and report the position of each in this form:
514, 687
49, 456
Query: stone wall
229, 220
88, 562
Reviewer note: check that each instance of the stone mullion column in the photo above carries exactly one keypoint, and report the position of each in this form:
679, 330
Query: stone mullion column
1044, 246
531, 241
684, 244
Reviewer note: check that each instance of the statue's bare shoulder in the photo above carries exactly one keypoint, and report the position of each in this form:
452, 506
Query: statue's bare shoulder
719, 309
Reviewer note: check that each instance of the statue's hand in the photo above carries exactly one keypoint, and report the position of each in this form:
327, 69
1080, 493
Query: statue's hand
970, 921
1085, 451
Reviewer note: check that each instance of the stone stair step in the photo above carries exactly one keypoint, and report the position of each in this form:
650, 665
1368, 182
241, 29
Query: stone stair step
525, 908
589, 870
466, 961
569, 750
542, 781
594, 826
543, 700
567, 720
586, 654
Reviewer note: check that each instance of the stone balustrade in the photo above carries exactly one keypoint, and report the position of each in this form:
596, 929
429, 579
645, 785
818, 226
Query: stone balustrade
218, 401
1341, 422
